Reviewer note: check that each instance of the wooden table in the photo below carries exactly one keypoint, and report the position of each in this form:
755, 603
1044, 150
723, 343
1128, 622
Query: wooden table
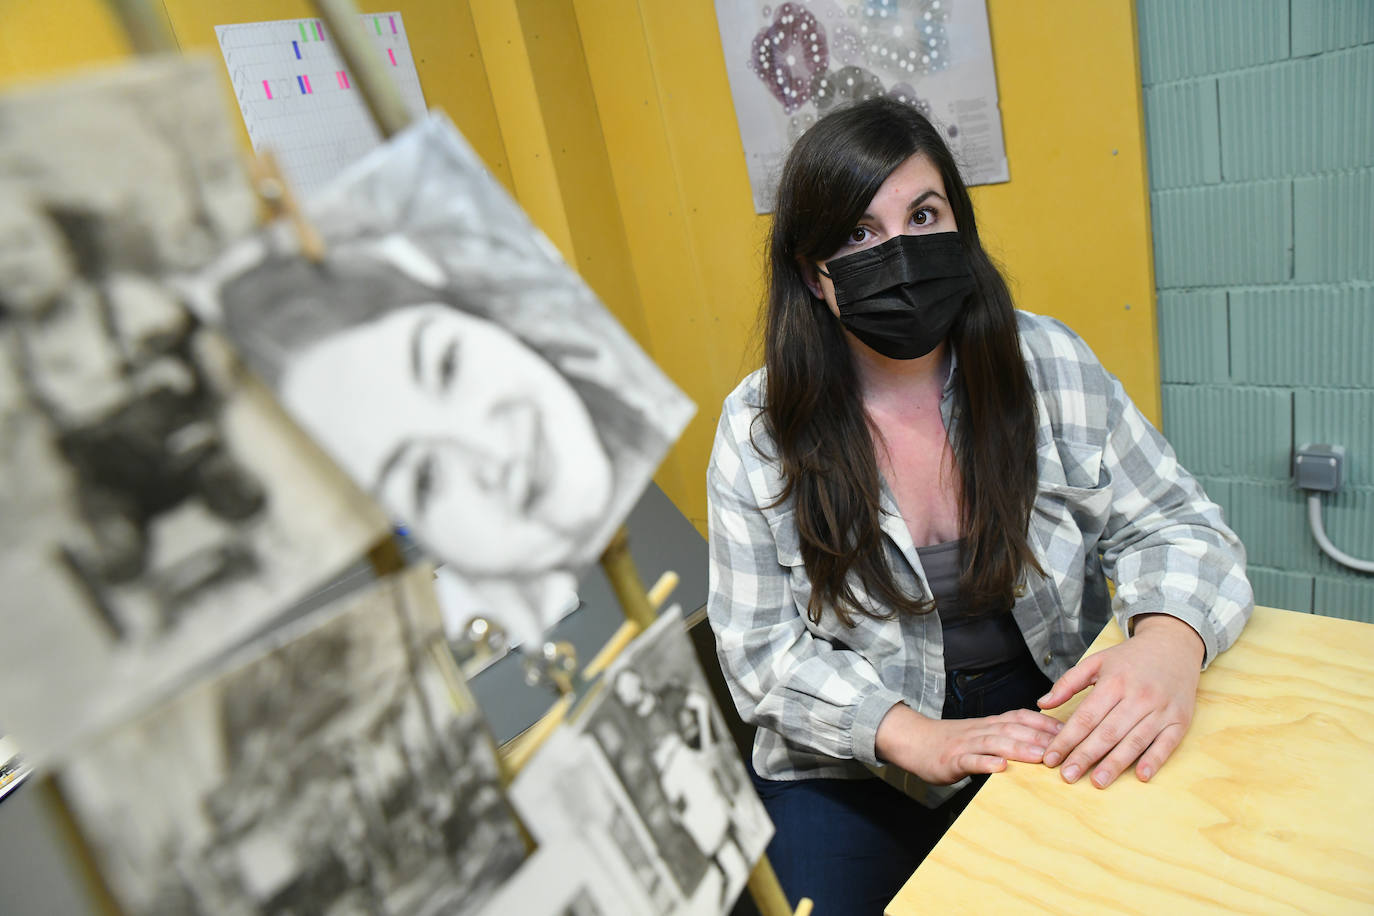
1267, 807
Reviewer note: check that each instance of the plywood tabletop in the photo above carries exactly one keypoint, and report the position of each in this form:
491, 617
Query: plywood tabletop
1267, 807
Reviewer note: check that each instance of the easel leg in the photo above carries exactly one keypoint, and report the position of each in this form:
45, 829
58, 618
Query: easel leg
767, 892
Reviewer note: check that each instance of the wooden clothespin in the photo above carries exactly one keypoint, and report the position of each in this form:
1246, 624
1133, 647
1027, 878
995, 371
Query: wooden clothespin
277, 196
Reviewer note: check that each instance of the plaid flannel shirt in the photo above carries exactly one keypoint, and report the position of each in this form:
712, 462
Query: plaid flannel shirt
1112, 501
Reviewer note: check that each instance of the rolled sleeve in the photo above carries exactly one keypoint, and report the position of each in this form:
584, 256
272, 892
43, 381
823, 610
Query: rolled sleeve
817, 696
1166, 545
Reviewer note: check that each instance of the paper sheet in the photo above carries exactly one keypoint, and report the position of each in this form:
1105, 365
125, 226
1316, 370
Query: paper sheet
299, 101
791, 63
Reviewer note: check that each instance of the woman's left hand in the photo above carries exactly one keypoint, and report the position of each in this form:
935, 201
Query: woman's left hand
1141, 705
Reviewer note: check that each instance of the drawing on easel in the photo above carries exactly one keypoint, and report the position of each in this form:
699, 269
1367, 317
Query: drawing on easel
458, 369
299, 100
158, 506
654, 746
335, 774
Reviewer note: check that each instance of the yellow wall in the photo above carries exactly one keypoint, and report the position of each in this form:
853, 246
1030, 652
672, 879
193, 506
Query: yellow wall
42, 39
1071, 228
612, 122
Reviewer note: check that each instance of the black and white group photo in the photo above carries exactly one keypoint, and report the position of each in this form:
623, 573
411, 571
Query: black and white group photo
335, 774
652, 763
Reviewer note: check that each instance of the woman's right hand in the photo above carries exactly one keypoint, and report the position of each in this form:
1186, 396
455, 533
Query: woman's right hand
944, 751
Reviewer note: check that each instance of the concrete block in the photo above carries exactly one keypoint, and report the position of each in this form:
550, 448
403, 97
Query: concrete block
1281, 588
1271, 520
1298, 336
1349, 599
1230, 431
1299, 117
1193, 337
1182, 38
1333, 226
1229, 234
1182, 133
1324, 25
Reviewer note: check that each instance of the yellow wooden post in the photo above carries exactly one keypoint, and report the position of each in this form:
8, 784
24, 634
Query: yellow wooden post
379, 91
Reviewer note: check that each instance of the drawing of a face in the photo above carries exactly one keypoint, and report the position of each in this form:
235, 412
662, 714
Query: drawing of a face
462, 432
34, 264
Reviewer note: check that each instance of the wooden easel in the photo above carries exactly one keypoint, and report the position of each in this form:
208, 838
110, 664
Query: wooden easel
148, 33
388, 110
390, 114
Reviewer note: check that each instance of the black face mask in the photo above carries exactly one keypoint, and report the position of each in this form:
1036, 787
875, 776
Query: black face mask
902, 297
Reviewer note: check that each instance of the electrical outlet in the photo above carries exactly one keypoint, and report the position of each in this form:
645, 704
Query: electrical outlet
1319, 467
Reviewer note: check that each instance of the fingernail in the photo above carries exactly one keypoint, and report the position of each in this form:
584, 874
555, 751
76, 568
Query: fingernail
1037, 751
1071, 772
1052, 758
1146, 773
1101, 778
1044, 699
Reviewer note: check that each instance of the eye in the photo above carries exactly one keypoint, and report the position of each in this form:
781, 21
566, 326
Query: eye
859, 235
448, 365
925, 216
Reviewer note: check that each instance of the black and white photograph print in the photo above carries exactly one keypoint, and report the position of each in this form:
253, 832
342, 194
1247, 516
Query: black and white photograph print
158, 505
563, 878
338, 773
659, 728
650, 765
568, 796
457, 368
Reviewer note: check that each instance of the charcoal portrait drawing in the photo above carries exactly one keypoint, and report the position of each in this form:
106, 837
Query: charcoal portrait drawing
457, 369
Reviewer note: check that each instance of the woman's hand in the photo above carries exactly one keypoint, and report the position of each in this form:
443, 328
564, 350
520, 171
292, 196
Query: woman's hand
944, 751
1141, 704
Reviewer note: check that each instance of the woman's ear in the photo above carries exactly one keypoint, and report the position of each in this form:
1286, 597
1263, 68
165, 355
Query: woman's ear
810, 277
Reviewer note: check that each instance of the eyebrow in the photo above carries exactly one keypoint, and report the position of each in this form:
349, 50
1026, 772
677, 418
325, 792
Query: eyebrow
920, 199
415, 336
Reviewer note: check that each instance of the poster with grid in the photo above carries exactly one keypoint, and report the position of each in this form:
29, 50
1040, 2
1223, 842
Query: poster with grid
298, 99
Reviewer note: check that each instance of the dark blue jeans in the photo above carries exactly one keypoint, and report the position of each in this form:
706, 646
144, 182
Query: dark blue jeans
850, 844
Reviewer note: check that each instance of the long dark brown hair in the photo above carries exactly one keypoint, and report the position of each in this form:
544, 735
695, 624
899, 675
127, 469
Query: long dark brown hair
812, 404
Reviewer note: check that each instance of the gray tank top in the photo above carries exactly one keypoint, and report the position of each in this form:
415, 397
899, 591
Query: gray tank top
974, 637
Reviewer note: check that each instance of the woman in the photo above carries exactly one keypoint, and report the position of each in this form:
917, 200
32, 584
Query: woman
912, 510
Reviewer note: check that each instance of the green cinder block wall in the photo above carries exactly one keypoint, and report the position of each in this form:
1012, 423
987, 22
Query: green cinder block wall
1259, 120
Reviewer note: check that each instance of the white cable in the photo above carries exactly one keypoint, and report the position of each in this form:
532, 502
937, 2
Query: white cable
1314, 518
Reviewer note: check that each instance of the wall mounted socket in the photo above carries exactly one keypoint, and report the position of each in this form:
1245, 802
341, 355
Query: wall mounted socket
1319, 467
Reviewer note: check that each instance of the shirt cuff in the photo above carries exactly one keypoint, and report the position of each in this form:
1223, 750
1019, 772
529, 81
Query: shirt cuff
864, 732
1193, 618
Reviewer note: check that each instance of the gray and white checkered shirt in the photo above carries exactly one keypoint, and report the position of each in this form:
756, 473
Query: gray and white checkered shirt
1112, 501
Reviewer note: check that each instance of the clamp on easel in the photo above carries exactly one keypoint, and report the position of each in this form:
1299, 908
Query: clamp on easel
276, 195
